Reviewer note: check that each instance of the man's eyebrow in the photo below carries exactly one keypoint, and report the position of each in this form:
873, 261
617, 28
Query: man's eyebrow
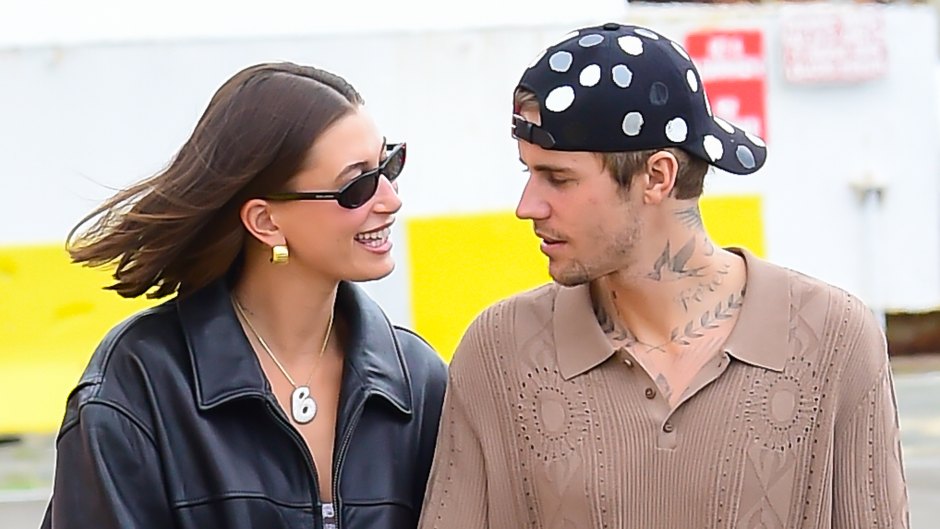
548, 168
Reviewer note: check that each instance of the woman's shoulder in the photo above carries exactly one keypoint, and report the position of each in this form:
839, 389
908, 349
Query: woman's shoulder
372, 324
129, 357
419, 354
152, 328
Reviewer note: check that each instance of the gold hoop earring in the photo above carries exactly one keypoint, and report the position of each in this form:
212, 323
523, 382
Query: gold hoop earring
280, 254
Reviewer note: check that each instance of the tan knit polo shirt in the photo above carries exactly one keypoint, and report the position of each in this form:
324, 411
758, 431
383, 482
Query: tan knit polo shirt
793, 425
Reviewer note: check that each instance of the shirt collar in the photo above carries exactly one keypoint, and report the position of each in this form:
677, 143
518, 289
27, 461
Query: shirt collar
580, 342
760, 336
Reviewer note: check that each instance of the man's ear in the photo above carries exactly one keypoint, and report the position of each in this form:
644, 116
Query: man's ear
661, 170
258, 218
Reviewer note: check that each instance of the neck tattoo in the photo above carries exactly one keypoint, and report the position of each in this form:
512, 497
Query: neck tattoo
683, 336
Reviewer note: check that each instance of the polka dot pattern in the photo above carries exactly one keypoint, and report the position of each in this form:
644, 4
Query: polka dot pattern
659, 94
590, 40
677, 130
713, 147
724, 125
560, 99
646, 33
560, 61
632, 123
745, 156
616, 88
631, 45
681, 51
590, 75
622, 75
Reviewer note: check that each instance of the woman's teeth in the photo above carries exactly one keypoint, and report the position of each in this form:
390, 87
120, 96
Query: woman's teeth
374, 238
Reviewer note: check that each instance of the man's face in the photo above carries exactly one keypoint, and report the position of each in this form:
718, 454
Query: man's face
589, 227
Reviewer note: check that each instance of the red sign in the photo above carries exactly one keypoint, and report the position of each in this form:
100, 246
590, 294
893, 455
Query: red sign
731, 64
834, 46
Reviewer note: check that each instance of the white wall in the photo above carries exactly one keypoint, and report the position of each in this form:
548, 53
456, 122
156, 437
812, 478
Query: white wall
77, 117
825, 137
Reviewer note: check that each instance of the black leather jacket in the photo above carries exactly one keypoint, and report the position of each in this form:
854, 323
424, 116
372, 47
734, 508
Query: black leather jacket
173, 425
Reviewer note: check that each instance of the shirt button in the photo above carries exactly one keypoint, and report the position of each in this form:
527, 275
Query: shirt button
667, 427
627, 362
650, 393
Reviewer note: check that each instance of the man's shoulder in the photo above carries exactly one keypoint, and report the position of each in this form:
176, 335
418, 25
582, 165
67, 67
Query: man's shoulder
830, 310
495, 328
812, 305
540, 298
808, 292
849, 335
536, 301
811, 299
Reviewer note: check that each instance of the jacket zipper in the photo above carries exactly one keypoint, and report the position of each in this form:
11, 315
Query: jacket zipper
344, 445
282, 421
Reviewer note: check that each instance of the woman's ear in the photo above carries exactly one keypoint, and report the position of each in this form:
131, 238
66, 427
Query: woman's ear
661, 170
258, 218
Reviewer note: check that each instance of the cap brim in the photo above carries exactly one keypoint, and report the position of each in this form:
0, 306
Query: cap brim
730, 148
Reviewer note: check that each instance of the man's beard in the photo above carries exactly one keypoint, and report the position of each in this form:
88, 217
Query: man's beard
577, 275
619, 254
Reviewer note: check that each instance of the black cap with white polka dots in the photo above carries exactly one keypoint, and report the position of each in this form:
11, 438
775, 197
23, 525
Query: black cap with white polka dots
615, 88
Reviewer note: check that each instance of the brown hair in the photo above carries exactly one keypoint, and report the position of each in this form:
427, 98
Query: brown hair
180, 229
690, 178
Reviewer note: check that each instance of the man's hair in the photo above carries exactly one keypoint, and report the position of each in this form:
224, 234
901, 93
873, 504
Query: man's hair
690, 178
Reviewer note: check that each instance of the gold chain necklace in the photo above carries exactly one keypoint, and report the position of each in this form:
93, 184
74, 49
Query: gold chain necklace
303, 408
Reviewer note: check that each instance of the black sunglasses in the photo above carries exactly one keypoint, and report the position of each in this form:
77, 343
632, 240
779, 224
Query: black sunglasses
360, 189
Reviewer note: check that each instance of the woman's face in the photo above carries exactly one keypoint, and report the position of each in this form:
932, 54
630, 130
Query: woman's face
324, 237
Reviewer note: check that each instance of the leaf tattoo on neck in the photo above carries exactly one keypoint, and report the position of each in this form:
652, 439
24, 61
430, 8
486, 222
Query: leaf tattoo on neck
611, 328
711, 319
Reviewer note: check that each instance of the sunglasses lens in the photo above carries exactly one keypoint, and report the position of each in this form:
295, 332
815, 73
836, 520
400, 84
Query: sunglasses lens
360, 191
363, 188
394, 164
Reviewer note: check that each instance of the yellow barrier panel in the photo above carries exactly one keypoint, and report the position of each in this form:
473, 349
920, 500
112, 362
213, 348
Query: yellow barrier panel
735, 220
460, 264
52, 315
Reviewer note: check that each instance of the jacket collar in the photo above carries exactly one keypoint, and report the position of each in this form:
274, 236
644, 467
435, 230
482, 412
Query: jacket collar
760, 336
226, 368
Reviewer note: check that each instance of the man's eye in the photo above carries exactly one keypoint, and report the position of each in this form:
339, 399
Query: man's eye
557, 181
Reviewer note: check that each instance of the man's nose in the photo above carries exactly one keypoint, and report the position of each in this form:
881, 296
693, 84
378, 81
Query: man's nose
531, 205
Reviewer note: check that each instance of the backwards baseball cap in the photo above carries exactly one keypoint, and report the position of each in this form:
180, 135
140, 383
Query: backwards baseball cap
615, 88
